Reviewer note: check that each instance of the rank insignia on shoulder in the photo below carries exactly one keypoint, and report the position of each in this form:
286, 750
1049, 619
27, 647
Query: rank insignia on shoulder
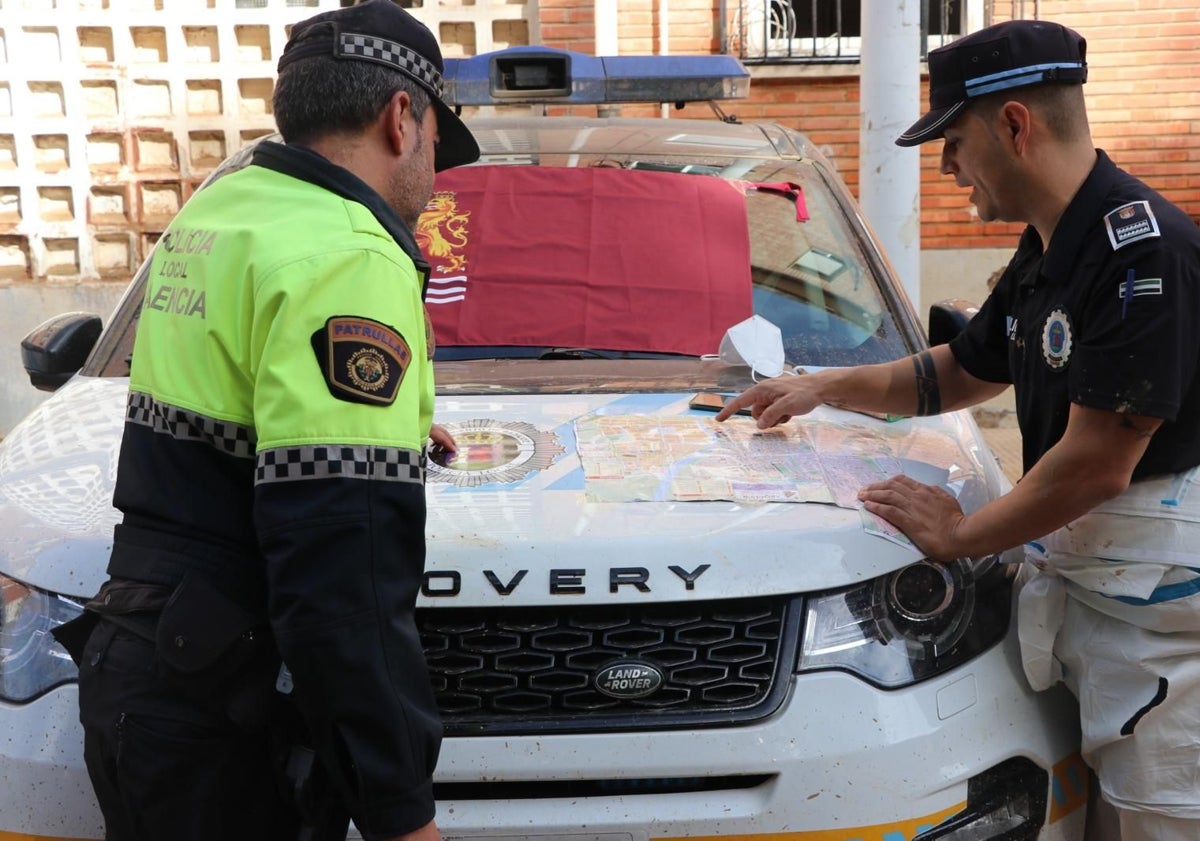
1130, 223
363, 360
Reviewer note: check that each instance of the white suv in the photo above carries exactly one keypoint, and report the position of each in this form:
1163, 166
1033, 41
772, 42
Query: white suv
640, 624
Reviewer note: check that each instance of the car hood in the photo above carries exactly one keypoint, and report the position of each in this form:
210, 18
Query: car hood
516, 519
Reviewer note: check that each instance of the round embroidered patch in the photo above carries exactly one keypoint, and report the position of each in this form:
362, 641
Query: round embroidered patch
368, 370
1056, 339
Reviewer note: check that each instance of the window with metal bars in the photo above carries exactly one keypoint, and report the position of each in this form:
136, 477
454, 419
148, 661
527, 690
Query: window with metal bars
825, 31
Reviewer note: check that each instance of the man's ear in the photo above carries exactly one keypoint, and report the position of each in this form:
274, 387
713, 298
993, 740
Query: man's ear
395, 113
1017, 122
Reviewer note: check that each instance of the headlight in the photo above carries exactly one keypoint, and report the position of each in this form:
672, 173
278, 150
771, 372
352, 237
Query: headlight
31, 660
909, 625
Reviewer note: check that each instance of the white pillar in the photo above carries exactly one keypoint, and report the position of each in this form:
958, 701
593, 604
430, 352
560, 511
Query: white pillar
664, 42
889, 176
606, 27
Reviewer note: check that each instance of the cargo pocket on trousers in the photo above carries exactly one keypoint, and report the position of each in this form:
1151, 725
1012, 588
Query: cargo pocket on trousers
199, 626
158, 754
214, 648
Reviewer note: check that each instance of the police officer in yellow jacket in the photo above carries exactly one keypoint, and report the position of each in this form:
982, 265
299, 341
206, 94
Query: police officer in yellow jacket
271, 473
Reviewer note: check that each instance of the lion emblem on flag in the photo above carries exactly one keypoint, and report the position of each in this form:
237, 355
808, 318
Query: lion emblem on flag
442, 233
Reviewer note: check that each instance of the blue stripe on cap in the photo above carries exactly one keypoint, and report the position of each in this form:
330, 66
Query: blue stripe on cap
1015, 78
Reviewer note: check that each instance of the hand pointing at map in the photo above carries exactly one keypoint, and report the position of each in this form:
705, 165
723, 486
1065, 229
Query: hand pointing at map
926, 514
775, 401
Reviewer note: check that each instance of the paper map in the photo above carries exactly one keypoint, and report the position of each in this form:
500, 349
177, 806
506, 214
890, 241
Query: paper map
630, 458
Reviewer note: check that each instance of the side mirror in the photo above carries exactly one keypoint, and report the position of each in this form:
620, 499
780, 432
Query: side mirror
57, 348
949, 318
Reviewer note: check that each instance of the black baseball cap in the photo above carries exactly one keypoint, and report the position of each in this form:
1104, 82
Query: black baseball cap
1012, 54
382, 32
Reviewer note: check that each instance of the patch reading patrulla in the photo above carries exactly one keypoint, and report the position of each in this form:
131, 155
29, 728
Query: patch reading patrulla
363, 360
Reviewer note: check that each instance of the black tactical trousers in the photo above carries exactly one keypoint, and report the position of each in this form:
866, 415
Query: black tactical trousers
166, 761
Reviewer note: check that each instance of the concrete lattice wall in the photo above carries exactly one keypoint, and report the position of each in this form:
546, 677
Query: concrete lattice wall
113, 111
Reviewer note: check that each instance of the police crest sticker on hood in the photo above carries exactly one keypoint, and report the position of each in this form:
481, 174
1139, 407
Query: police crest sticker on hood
363, 360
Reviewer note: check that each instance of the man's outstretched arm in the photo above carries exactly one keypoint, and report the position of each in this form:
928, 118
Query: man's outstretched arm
1092, 463
926, 383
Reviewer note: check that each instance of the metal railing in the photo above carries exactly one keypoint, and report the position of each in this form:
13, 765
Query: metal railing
820, 31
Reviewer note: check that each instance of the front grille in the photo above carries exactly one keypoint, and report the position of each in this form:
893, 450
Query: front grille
528, 670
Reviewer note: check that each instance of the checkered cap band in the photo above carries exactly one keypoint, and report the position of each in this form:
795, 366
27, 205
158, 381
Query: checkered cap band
235, 439
407, 61
334, 461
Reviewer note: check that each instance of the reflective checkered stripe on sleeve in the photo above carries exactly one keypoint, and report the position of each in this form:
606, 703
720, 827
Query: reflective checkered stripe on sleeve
235, 439
328, 461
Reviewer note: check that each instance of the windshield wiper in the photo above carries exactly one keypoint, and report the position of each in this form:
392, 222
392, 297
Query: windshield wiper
577, 353
595, 353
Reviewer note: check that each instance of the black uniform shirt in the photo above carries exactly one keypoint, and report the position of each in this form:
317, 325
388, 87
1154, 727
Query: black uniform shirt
1108, 318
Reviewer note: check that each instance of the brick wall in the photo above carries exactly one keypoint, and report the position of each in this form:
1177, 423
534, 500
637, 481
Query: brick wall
1143, 87
692, 29
1143, 97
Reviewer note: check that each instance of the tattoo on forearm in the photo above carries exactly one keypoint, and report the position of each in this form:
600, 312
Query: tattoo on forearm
929, 395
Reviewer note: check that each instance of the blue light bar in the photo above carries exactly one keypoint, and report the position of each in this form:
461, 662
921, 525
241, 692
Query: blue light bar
529, 75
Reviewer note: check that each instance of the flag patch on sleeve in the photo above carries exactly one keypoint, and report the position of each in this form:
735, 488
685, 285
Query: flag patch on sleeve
1141, 286
363, 361
1130, 223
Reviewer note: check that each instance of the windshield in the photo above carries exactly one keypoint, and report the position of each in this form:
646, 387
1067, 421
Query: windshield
646, 249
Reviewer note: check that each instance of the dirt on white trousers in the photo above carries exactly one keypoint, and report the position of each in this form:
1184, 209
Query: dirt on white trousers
1110, 605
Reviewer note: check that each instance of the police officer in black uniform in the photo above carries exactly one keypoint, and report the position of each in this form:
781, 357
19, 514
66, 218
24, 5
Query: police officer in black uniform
271, 474
1095, 324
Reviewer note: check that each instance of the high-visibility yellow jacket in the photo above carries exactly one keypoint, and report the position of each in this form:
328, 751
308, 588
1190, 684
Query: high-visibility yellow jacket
281, 395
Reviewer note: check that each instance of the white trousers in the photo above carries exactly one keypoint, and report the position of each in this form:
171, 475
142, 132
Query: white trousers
1148, 826
1110, 605
1139, 701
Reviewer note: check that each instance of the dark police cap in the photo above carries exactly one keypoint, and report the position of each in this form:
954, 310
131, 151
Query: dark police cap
382, 32
1013, 54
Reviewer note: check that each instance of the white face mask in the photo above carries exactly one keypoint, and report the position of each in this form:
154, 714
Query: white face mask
757, 343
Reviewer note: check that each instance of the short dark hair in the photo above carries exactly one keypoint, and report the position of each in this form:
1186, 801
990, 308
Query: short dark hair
1061, 106
321, 96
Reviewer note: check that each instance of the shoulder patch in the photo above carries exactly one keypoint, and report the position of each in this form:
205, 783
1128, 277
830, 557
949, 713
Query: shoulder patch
1139, 286
363, 361
1130, 223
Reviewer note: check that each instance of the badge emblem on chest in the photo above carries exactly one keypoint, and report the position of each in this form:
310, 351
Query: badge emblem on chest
1056, 339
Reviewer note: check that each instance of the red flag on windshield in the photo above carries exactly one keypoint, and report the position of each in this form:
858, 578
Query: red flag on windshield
602, 258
